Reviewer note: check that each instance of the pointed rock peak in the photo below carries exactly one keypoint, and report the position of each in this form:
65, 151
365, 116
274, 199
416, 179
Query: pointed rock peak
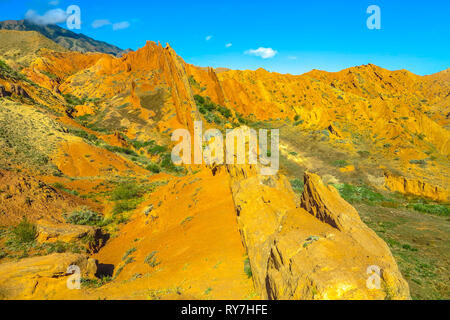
149, 44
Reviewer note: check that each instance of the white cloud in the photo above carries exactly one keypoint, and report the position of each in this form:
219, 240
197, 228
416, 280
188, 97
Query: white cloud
208, 38
264, 53
120, 25
54, 2
100, 23
53, 16
228, 45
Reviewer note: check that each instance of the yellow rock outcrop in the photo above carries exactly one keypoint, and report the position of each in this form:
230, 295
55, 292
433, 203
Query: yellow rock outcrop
415, 187
319, 251
39, 277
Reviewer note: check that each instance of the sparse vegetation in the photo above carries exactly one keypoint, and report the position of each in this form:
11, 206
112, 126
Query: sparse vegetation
124, 206
418, 162
362, 193
74, 100
297, 185
8, 72
157, 149
60, 186
436, 209
212, 111
310, 240
95, 283
130, 251
84, 216
153, 167
340, 163
24, 233
126, 191
123, 150
247, 267
151, 259
186, 220
83, 134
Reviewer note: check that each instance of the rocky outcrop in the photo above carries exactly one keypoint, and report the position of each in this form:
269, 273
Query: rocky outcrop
261, 202
89, 237
415, 187
22, 195
41, 276
9, 89
336, 252
314, 249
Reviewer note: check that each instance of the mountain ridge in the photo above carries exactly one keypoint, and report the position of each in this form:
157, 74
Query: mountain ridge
66, 38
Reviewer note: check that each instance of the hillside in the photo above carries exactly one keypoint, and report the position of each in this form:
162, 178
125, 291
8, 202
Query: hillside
21, 48
65, 38
86, 177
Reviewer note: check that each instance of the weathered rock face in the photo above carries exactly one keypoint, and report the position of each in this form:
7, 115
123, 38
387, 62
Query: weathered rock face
42, 276
311, 260
333, 262
89, 237
261, 203
415, 187
8, 89
323, 252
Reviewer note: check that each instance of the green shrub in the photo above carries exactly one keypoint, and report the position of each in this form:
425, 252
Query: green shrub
298, 185
435, 209
83, 134
211, 110
354, 194
241, 119
199, 99
74, 100
130, 251
186, 220
153, 167
121, 150
408, 247
418, 162
156, 150
24, 232
126, 191
340, 163
57, 247
224, 111
247, 267
124, 206
95, 283
84, 216
151, 259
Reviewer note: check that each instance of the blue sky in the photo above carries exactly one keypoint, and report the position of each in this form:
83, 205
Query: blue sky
303, 35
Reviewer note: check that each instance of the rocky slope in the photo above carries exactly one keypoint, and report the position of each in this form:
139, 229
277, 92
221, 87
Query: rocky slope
86, 143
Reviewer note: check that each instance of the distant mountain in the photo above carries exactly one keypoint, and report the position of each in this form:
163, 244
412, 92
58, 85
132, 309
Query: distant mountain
65, 38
